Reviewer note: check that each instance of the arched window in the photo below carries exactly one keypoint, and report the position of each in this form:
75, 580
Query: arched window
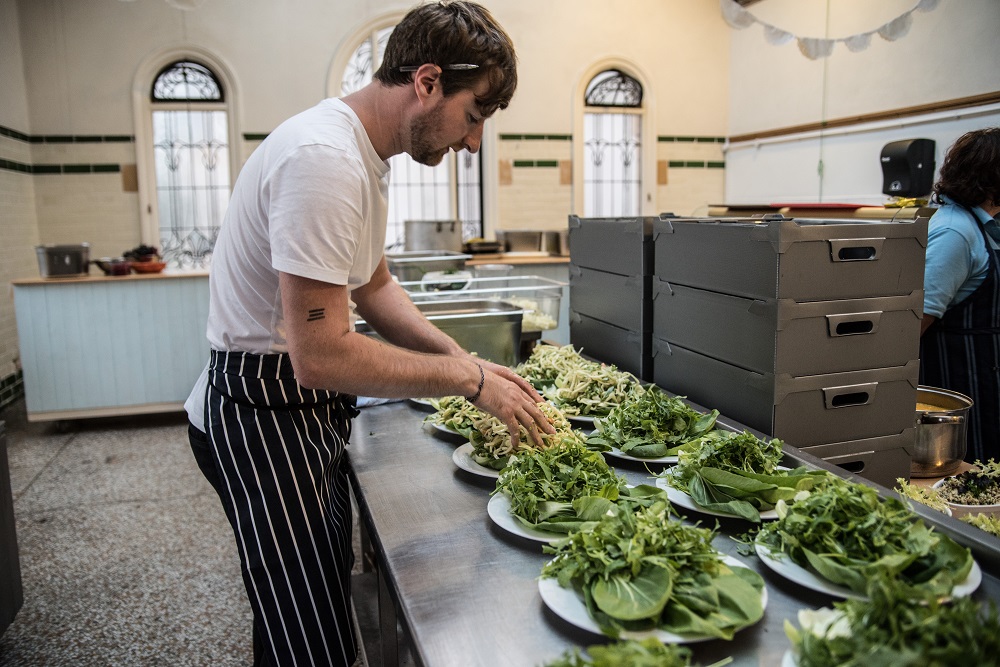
191, 160
612, 145
450, 191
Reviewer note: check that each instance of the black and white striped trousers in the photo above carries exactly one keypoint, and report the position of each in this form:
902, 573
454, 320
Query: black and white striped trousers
277, 450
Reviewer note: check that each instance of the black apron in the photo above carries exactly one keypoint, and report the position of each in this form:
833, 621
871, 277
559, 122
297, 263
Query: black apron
961, 352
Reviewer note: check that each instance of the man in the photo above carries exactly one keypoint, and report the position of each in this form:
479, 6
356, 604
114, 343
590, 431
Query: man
960, 341
299, 257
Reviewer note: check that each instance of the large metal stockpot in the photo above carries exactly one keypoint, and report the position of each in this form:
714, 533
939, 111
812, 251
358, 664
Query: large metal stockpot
941, 424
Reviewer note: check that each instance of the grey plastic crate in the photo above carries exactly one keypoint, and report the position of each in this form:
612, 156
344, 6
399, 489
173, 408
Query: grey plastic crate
804, 260
785, 336
617, 245
882, 459
628, 350
807, 410
621, 300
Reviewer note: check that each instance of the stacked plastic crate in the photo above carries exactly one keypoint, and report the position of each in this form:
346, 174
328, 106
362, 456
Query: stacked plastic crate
610, 278
808, 330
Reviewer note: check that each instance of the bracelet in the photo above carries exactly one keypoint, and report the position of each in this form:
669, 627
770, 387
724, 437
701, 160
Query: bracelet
482, 381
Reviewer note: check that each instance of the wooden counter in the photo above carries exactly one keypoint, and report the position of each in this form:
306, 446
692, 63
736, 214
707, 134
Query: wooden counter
516, 259
164, 275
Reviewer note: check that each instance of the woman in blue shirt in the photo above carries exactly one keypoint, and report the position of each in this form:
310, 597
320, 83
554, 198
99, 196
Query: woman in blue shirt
960, 341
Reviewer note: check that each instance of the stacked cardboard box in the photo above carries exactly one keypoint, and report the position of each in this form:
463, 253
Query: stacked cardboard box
807, 330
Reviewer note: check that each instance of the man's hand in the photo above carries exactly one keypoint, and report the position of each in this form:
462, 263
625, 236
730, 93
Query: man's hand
511, 399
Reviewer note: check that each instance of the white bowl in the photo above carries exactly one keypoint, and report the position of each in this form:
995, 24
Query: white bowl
958, 510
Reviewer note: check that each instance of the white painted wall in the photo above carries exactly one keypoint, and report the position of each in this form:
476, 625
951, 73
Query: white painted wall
950, 52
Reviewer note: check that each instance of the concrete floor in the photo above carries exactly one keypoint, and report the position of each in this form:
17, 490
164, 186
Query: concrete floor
126, 555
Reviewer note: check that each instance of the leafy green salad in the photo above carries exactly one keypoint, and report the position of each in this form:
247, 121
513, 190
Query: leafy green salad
738, 474
491, 444
643, 570
888, 629
649, 652
455, 414
578, 386
650, 424
848, 535
567, 488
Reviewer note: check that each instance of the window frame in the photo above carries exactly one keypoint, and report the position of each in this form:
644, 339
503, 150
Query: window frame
142, 109
647, 197
488, 169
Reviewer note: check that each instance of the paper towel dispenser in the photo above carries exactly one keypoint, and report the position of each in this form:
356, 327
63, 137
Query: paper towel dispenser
908, 167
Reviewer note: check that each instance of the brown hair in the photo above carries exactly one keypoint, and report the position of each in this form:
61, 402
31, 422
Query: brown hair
970, 174
448, 33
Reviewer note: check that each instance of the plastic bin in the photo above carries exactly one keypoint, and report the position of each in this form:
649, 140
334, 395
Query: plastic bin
413, 264
539, 298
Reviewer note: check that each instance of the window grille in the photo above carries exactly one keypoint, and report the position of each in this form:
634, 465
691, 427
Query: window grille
612, 128
418, 192
191, 161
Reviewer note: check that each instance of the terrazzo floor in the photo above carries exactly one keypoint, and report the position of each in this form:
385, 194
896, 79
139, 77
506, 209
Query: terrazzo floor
126, 555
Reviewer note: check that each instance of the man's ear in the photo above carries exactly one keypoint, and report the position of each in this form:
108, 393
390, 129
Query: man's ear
427, 81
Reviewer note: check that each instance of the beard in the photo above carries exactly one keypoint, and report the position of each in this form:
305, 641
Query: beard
421, 148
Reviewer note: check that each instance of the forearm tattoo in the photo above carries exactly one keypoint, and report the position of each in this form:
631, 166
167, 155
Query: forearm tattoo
316, 314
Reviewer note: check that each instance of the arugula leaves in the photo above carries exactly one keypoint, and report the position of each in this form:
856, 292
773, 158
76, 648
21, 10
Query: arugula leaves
567, 488
849, 535
649, 652
642, 570
737, 474
889, 629
651, 424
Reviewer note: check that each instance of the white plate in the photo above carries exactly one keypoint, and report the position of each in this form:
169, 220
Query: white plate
444, 430
784, 567
678, 497
499, 510
619, 454
463, 459
958, 510
788, 659
569, 606
423, 403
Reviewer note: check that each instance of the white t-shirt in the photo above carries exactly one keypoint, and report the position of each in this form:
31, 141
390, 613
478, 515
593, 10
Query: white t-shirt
312, 201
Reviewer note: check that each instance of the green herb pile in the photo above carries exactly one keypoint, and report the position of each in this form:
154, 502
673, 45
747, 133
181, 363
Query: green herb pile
567, 488
979, 486
639, 571
576, 385
651, 424
455, 414
547, 362
921, 494
737, 474
649, 652
848, 535
592, 390
987, 522
889, 629
491, 444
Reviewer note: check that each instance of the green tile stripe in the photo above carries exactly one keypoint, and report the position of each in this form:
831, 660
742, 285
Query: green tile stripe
536, 137
10, 165
695, 164
692, 140
66, 138
536, 163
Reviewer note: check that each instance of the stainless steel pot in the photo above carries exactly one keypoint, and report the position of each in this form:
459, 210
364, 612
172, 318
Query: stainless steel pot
939, 446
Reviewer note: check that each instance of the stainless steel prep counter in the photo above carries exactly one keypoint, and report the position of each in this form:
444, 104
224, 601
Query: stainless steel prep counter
466, 592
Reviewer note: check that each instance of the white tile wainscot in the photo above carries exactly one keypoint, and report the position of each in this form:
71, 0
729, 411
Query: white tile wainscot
103, 346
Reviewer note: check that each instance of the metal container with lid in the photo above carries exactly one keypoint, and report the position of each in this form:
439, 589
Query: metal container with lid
941, 422
63, 261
